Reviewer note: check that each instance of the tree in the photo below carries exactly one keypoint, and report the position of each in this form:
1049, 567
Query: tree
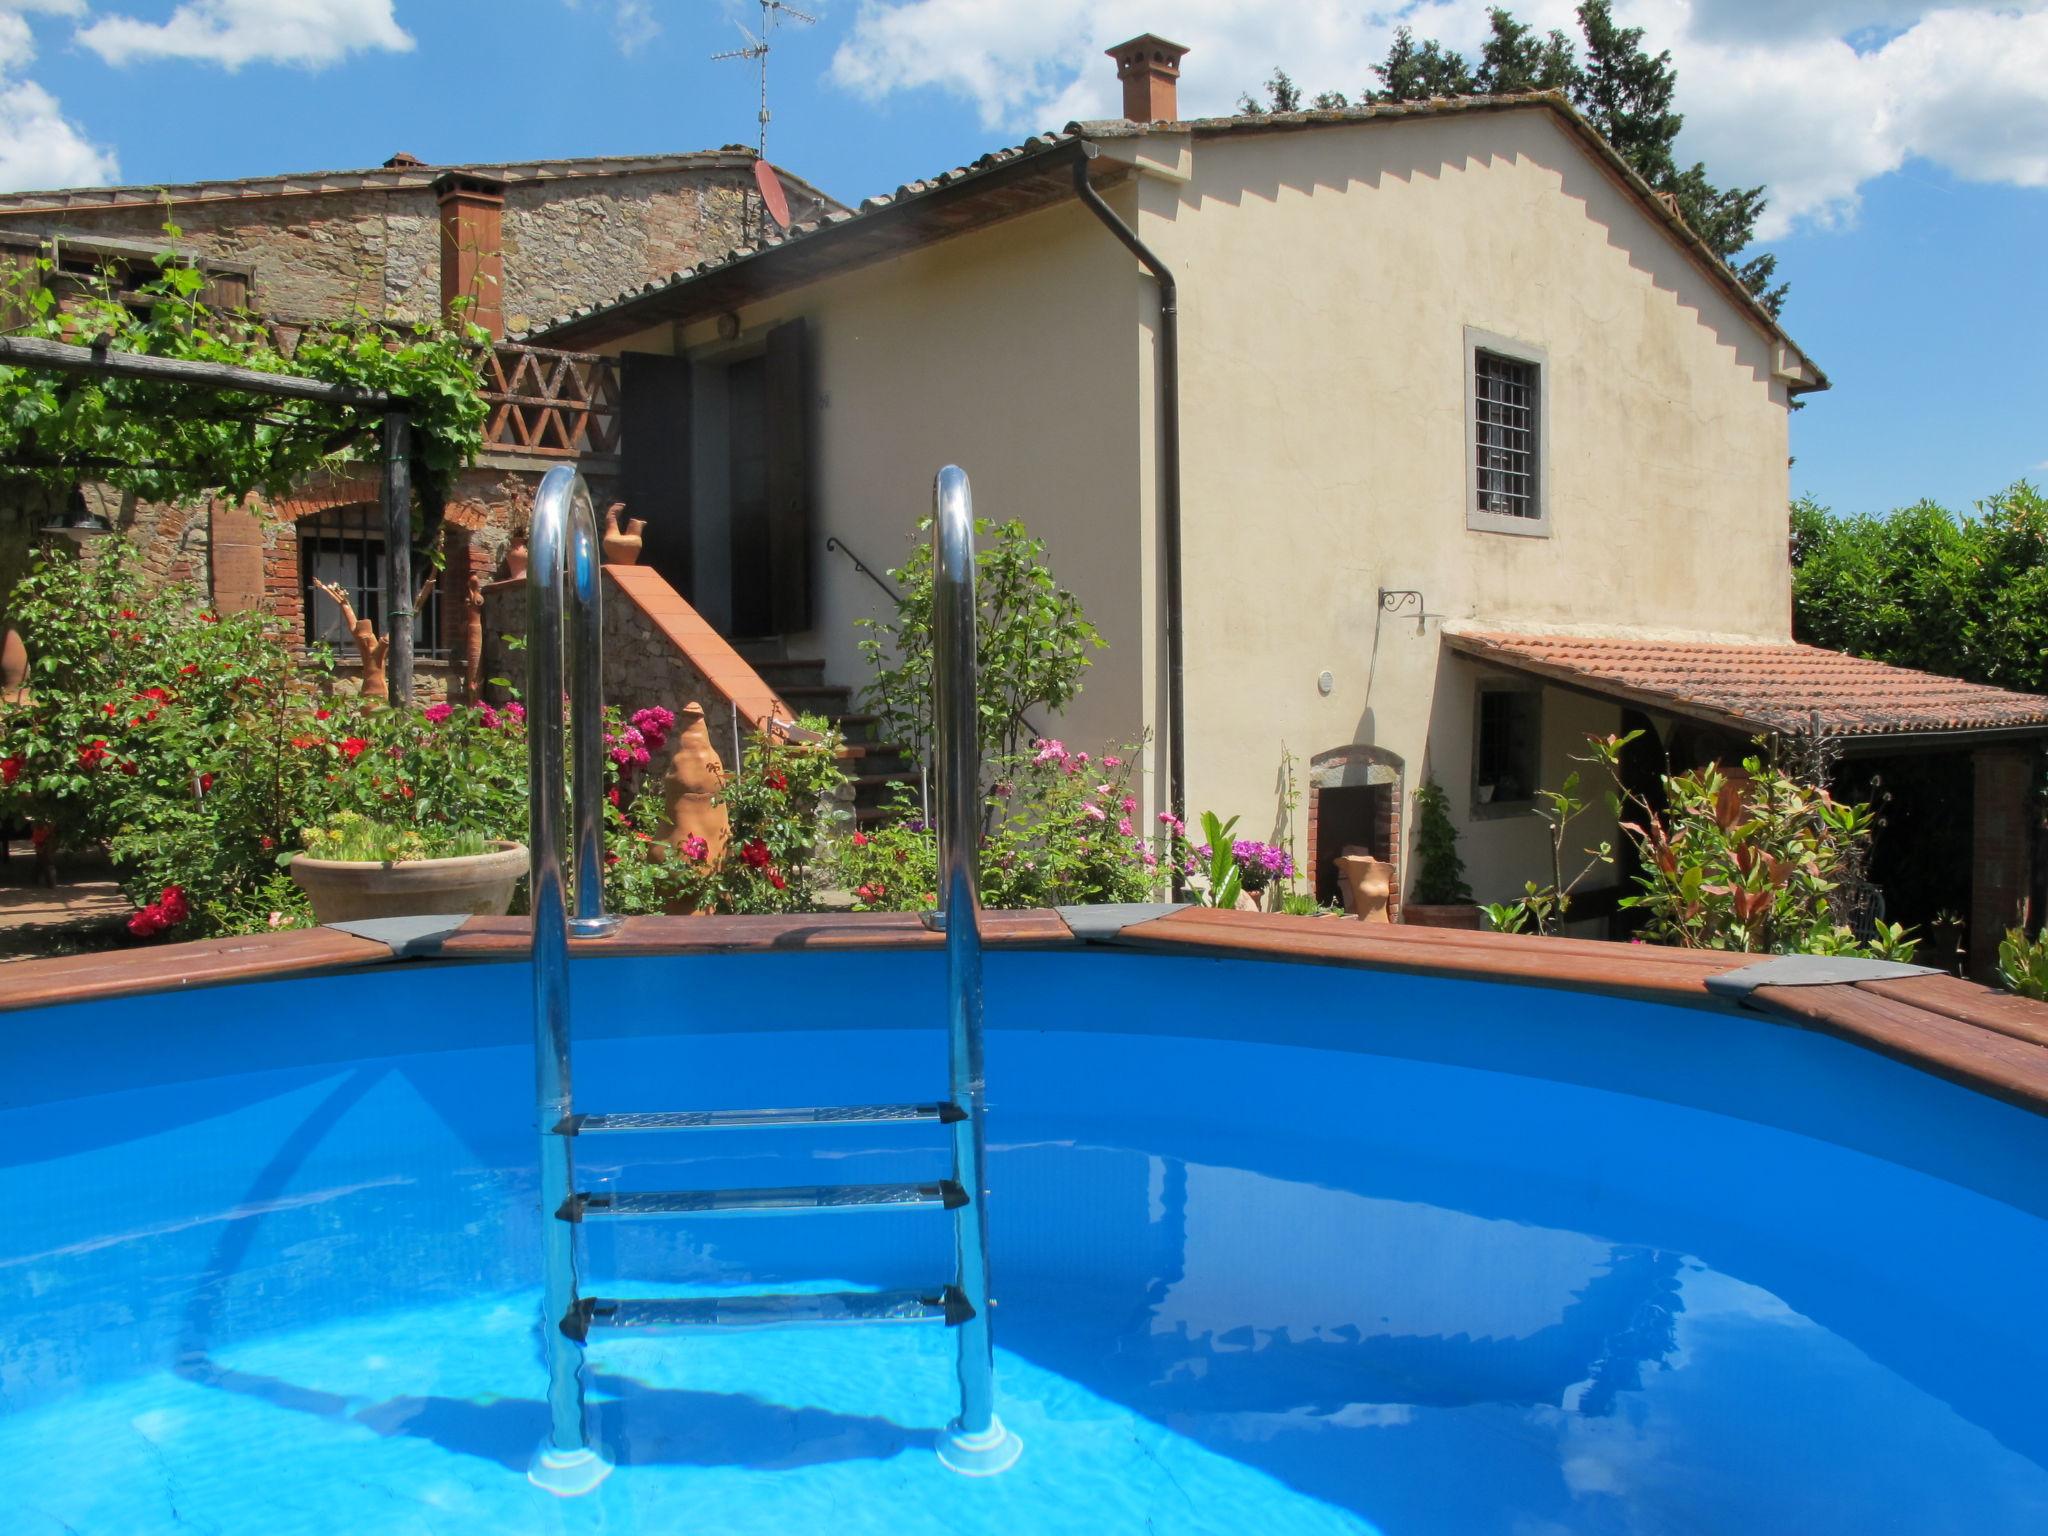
1513, 59
1619, 87
1413, 73
1965, 596
1032, 638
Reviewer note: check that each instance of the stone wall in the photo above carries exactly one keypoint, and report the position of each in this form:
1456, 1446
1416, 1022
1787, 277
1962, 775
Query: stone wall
567, 241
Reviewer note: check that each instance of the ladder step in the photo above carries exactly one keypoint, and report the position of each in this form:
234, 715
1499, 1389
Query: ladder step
945, 1305
935, 1194
724, 1119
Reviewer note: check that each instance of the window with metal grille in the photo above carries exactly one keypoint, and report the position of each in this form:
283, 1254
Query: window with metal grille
1504, 437
1507, 749
345, 546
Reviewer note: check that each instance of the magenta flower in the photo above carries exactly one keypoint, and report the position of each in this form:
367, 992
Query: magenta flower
515, 711
436, 713
1124, 827
1049, 751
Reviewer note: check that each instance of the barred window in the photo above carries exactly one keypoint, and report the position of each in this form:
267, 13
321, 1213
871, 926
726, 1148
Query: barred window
1504, 400
345, 546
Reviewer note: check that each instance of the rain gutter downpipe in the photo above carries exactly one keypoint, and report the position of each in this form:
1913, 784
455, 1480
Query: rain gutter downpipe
1169, 479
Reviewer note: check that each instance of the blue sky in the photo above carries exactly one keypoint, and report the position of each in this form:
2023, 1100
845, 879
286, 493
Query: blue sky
1906, 145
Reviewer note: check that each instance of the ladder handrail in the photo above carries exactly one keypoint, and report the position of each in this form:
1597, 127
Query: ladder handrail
976, 1441
564, 579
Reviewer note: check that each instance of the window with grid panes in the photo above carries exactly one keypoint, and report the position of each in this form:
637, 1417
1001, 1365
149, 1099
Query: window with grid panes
1504, 436
345, 546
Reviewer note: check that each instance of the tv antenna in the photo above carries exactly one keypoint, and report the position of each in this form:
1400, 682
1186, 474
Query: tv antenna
756, 52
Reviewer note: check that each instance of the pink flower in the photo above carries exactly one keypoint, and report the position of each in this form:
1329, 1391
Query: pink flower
695, 847
436, 713
1124, 827
1049, 751
1172, 823
488, 715
277, 919
1112, 762
515, 711
1130, 805
1094, 812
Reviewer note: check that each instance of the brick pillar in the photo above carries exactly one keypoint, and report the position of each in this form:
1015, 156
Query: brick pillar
2001, 848
237, 558
472, 246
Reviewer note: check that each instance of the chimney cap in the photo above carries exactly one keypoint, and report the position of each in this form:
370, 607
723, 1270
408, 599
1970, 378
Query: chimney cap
403, 161
1147, 48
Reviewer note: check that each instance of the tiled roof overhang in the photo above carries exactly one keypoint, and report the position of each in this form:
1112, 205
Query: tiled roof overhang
1768, 689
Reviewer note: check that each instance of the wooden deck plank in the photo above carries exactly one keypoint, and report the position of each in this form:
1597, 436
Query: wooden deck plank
496, 937
172, 967
1984, 1059
1970, 1003
1668, 975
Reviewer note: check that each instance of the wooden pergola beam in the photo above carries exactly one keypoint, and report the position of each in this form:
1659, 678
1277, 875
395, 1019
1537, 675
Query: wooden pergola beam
31, 352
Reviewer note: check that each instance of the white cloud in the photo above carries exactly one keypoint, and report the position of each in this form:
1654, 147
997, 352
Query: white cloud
633, 22
39, 146
1811, 98
231, 33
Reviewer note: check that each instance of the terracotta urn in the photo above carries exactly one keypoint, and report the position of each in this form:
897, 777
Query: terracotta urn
515, 560
1250, 901
622, 539
1367, 883
690, 788
13, 664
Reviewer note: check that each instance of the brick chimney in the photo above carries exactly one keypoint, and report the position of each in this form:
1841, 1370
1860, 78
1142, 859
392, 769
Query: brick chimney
472, 245
1149, 67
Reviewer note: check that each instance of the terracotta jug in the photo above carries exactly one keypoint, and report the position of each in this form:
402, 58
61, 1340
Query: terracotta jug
690, 786
1368, 885
515, 559
13, 664
622, 539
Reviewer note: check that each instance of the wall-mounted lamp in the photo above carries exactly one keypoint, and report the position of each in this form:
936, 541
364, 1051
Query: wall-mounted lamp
77, 523
1400, 599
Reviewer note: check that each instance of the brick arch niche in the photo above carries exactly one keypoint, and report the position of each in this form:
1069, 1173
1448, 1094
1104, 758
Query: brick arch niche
1354, 801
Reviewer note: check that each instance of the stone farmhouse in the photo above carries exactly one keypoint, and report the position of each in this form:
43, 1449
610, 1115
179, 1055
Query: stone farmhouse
1420, 440
521, 241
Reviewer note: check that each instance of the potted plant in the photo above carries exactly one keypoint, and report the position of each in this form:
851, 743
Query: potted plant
356, 868
1439, 898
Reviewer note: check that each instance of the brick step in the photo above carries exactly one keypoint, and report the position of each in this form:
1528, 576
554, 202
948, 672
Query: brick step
787, 672
765, 648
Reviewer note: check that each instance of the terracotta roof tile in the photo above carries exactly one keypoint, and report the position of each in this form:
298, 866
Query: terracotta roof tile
1762, 688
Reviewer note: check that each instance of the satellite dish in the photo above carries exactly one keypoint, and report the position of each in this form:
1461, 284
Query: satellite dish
771, 193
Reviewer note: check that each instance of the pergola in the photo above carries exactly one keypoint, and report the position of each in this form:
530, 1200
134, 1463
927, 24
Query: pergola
222, 378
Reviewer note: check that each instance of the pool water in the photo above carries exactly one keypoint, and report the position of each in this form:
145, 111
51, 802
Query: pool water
1277, 1249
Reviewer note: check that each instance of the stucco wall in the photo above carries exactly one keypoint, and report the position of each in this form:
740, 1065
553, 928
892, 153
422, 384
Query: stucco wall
1013, 352
1327, 281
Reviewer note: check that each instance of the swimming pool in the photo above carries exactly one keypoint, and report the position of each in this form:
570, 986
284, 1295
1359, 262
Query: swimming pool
1278, 1247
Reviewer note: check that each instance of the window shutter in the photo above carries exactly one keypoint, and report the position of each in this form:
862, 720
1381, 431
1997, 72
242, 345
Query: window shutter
654, 458
789, 479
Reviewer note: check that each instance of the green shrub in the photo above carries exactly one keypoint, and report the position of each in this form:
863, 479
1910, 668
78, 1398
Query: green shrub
2023, 964
1439, 872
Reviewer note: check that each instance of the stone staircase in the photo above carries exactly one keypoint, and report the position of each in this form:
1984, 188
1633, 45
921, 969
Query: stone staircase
874, 765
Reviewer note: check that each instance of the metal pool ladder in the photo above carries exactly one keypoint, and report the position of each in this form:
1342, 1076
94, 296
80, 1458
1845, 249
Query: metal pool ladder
570, 1461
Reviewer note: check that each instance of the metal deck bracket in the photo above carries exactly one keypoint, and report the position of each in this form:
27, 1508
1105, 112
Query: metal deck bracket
1810, 971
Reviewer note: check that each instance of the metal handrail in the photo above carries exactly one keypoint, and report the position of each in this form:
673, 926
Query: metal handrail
975, 1442
835, 542
563, 580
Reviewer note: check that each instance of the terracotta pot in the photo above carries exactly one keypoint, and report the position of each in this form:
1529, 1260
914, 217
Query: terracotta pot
344, 890
1251, 901
621, 541
1455, 915
690, 788
515, 560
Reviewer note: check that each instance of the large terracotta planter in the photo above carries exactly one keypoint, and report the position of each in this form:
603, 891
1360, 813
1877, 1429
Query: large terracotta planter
346, 890
1458, 915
